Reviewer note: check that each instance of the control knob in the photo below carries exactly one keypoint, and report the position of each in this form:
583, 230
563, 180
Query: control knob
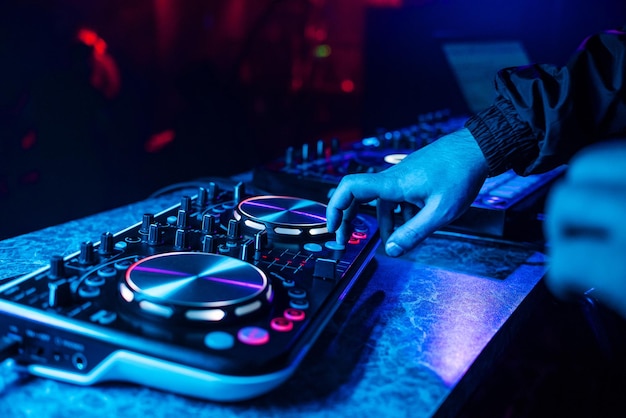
106, 244
86, 256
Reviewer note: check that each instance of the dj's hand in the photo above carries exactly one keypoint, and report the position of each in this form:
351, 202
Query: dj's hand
442, 179
586, 227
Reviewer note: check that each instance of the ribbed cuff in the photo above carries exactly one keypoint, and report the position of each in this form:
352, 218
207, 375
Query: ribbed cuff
506, 142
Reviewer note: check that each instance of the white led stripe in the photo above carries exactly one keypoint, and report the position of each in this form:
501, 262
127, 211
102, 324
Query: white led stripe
318, 231
126, 293
206, 315
254, 225
246, 309
156, 309
287, 231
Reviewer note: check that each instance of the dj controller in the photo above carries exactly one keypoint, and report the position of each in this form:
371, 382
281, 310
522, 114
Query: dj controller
222, 295
507, 206
217, 297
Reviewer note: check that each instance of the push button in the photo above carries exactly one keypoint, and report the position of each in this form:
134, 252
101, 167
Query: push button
281, 324
294, 314
253, 336
334, 245
219, 340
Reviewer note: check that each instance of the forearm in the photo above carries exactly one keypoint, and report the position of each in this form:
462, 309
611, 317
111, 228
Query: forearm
544, 114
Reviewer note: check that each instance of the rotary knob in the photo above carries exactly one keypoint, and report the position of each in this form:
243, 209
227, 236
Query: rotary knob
106, 244
212, 192
180, 239
186, 204
305, 153
239, 192
87, 255
289, 157
234, 230
146, 221
320, 147
182, 220
202, 197
154, 234
208, 224
208, 244
57, 267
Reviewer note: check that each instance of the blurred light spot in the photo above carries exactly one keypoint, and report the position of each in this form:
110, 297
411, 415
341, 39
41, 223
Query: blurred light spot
28, 141
322, 51
105, 75
347, 86
159, 141
394, 158
91, 38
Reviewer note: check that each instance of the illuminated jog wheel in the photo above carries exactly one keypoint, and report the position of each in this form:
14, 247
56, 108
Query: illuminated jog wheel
286, 217
196, 287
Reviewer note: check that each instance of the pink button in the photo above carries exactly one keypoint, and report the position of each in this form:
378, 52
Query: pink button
253, 336
281, 324
294, 314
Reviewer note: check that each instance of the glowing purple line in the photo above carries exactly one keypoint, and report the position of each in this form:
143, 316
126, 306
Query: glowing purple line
264, 205
161, 271
233, 282
213, 279
310, 215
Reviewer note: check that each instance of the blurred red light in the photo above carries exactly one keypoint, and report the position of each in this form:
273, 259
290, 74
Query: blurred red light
159, 141
28, 141
347, 86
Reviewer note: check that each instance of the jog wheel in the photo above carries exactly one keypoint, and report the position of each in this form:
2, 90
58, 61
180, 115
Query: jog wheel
374, 161
195, 288
283, 217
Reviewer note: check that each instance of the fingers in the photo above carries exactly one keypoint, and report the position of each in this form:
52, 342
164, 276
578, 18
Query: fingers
452, 166
351, 188
343, 232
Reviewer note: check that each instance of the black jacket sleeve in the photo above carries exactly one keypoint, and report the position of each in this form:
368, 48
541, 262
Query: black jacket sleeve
544, 114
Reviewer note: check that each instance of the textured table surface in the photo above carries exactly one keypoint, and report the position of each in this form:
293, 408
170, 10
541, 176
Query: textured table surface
410, 341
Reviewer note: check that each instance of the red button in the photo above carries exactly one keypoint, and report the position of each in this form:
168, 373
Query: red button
294, 314
359, 235
281, 324
253, 336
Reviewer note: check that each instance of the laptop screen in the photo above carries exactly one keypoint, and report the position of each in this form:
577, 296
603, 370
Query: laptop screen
475, 64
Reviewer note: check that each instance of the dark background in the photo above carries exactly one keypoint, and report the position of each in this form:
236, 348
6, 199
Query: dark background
179, 90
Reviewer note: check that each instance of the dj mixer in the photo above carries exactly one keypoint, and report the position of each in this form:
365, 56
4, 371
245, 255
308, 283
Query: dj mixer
507, 206
218, 297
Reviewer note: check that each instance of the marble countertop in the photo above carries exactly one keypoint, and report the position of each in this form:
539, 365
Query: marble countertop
413, 340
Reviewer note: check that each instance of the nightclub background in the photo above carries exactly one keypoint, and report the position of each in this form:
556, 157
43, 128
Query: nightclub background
104, 102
